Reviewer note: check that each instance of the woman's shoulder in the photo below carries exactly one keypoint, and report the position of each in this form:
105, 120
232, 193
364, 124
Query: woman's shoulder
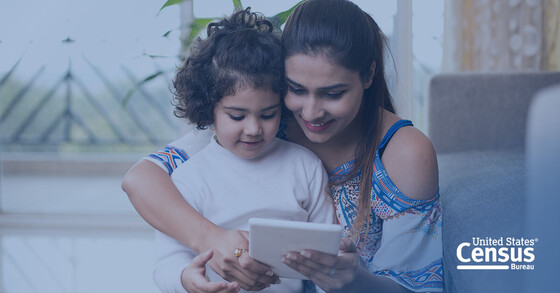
410, 161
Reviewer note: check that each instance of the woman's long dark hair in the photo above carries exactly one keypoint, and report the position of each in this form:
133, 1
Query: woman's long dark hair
347, 35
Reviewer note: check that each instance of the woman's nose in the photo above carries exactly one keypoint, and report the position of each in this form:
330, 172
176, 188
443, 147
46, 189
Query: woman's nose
312, 109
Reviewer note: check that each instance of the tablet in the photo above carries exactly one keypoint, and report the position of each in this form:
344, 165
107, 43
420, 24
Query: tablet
270, 240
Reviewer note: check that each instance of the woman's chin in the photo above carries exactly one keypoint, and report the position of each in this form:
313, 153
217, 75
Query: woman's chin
317, 137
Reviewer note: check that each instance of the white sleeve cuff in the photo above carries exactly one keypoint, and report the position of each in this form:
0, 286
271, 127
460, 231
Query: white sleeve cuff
171, 259
167, 274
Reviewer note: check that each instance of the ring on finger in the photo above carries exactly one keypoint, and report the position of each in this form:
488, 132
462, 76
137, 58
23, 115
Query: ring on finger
333, 270
239, 251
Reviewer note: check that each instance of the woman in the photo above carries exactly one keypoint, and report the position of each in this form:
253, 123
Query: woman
342, 111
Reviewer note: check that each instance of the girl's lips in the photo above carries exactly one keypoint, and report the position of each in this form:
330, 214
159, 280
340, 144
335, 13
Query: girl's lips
317, 126
251, 144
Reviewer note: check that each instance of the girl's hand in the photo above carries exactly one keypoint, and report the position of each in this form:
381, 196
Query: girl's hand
329, 272
194, 277
248, 273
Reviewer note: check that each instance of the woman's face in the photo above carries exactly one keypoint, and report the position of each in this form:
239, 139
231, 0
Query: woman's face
324, 97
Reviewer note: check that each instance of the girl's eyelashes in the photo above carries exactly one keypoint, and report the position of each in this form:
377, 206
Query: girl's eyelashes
269, 116
241, 117
236, 117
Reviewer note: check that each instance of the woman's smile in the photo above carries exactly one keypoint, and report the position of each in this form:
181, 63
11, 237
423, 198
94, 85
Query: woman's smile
317, 126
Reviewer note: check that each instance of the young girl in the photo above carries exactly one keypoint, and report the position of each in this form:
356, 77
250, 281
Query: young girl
383, 171
234, 82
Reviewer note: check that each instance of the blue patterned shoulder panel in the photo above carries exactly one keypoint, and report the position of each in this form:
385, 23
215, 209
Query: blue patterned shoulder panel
171, 157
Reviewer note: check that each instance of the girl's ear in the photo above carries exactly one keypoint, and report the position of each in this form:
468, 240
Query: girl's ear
369, 79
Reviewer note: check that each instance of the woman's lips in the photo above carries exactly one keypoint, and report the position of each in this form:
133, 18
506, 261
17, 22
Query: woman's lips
317, 126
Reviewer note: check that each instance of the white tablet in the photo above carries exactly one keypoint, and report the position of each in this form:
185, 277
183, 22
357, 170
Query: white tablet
270, 240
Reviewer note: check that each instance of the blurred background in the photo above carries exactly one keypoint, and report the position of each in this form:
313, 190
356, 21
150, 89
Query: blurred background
85, 92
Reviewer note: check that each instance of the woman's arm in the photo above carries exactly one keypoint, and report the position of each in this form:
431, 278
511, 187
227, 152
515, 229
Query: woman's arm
158, 201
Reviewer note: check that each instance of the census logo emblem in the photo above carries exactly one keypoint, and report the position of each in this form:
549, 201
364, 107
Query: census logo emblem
504, 253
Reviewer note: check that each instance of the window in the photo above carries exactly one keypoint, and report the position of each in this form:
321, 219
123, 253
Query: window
67, 139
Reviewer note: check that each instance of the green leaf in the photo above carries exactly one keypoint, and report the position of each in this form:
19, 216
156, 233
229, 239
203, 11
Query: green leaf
237, 5
137, 86
169, 3
196, 27
281, 18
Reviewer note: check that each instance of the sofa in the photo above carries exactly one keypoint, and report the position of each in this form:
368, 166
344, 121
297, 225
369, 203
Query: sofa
477, 123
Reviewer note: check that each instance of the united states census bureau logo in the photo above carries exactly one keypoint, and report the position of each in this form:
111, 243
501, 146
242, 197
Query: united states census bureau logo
504, 253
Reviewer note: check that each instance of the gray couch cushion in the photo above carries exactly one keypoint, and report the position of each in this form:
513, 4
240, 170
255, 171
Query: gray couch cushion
482, 194
481, 111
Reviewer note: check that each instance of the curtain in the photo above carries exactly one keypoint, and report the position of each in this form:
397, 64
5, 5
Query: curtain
552, 35
500, 35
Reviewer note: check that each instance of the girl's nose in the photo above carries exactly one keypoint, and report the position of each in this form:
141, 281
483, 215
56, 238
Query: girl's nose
253, 127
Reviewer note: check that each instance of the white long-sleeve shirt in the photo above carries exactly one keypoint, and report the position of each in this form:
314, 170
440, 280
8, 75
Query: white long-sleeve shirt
286, 181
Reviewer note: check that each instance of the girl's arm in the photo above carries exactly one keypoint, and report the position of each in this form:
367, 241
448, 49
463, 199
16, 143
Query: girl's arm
194, 280
156, 199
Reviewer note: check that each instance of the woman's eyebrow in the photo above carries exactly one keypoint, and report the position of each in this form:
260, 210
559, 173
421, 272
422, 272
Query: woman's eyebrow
325, 88
332, 87
293, 82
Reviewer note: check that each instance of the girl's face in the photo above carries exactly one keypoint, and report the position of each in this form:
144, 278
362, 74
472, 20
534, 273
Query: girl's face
247, 122
324, 97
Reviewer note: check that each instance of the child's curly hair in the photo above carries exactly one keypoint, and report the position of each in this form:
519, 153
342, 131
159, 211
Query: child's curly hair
240, 51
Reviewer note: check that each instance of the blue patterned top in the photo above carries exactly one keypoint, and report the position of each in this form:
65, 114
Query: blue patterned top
402, 239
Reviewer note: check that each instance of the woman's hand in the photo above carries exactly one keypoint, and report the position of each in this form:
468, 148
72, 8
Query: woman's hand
329, 272
248, 273
194, 277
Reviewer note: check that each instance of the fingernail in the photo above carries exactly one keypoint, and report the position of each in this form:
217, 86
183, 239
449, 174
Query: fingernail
306, 254
286, 260
292, 256
269, 273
